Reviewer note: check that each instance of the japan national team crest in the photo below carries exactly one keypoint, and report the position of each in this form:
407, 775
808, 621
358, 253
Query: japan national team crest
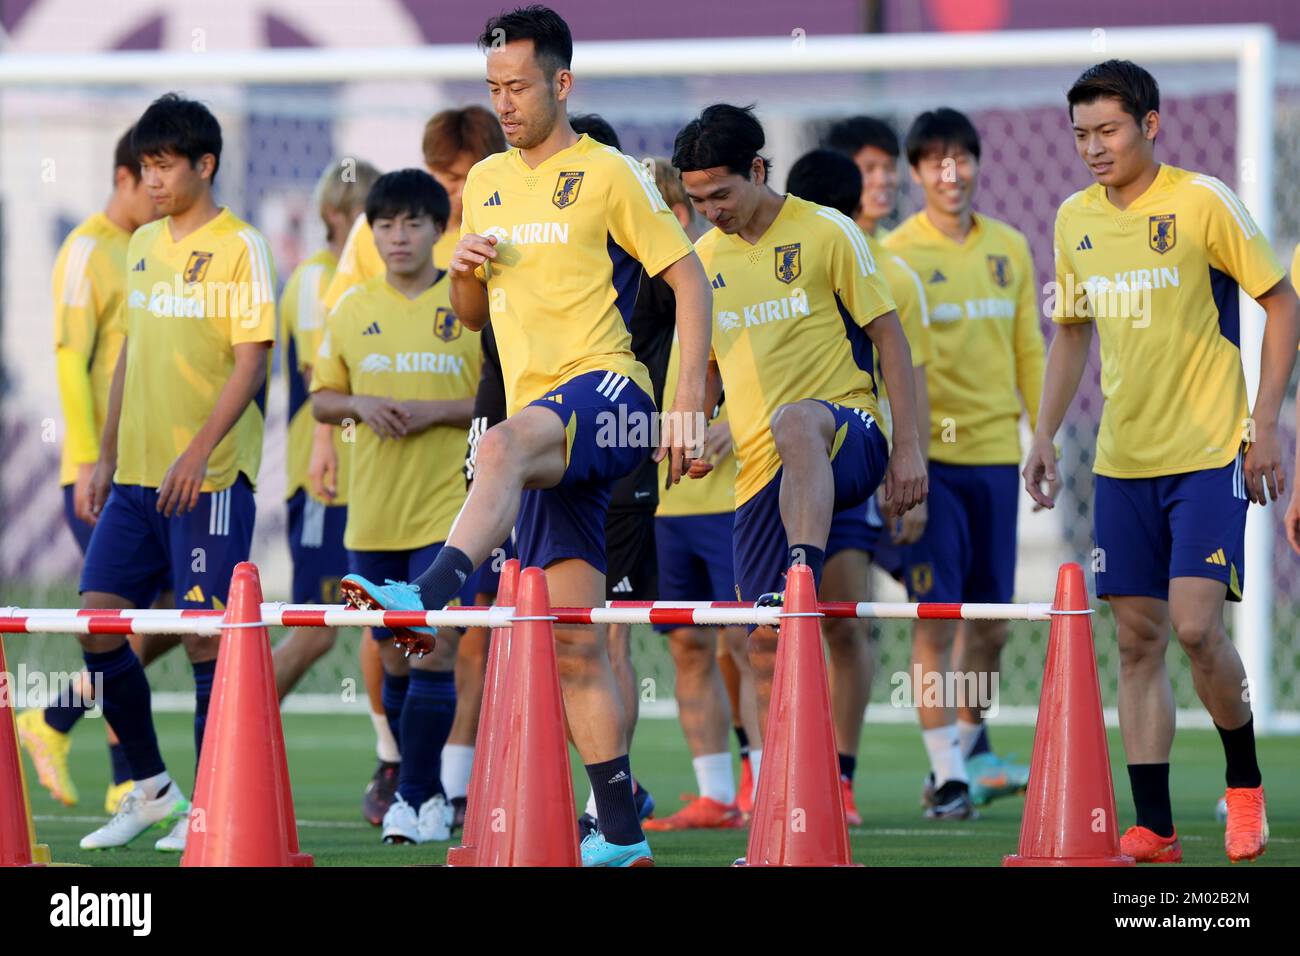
788, 265
197, 267
1000, 270
1161, 233
445, 325
566, 189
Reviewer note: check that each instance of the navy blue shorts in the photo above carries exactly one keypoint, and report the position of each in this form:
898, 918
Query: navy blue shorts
80, 529
968, 549
851, 530
1150, 530
608, 421
136, 552
695, 561
407, 565
489, 572
858, 462
316, 546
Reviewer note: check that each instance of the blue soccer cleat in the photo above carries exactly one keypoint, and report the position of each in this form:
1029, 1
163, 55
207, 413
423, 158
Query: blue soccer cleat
390, 596
992, 776
597, 851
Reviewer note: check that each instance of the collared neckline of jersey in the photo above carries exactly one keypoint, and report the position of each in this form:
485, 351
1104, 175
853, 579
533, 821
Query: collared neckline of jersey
221, 216
977, 229
736, 238
403, 297
516, 156
1154, 190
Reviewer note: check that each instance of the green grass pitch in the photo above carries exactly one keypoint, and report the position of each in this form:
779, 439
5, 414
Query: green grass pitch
332, 757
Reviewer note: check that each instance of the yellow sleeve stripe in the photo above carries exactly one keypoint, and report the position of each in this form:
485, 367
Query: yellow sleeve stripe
74, 274
920, 289
259, 261
642, 177
309, 310
866, 264
1226, 196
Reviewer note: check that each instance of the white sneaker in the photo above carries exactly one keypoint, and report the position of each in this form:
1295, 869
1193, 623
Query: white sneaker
174, 842
435, 819
136, 814
400, 823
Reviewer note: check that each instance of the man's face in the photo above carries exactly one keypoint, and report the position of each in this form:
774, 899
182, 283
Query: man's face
728, 200
879, 182
452, 179
1115, 148
173, 183
527, 102
139, 204
405, 242
947, 177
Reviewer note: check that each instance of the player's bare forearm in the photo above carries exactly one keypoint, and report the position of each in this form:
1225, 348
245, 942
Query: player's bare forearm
712, 388
922, 409
246, 380
1066, 359
886, 334
113, 415
448, 411
694, 328
332, 408
469, 300
1278, 353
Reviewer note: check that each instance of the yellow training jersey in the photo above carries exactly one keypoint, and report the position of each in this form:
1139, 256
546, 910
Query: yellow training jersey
789, 318
987, 345
1160, 279
1295, 268
403, 493
360, 260
188, 304
88, 291
573, 235
715, 493
302, 326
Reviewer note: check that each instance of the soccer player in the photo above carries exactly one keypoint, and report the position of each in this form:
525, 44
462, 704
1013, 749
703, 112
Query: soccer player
554, 236
173, 489
793, 279
1155, 255
396, 359
88, 293
830, 179
986, 368
316, 521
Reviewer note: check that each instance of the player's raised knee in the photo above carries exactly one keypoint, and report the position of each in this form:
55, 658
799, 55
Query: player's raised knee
798, 425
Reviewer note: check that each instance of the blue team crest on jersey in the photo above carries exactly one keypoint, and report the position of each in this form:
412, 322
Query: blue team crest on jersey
566, 188
197, 267
788, 265
445, 325
1000, 270
1162, 234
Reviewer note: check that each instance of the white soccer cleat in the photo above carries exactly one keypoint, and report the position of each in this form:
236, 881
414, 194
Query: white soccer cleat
174, 842
136, 814
400, 823
435, 819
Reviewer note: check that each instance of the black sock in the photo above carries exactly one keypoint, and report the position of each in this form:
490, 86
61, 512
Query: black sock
63, 714
117, 760
981, 745
128, 708
848, 765
443, 579
742, 739
815, 558
427, 715
1150, 783
1239, 752
611, 782
393, 696
203, 674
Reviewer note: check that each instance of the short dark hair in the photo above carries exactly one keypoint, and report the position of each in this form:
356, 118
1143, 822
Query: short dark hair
173, 124
851, 136
723, 135
410, 191
124, 156
827, 178
470, 129
552, 41
941, 129
1123, 80
597, 127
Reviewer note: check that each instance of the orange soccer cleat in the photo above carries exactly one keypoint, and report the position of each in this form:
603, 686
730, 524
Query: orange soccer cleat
745, 790
851, 815
1148, 847
1246, 835
700, 813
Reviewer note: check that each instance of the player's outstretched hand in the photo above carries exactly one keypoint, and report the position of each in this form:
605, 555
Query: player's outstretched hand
181, 486
81, 493
1040, 469
1292, 522
323, 470
906, 483
911, 526
681, 441
471, 252
388, 418
101, 483
1265, 478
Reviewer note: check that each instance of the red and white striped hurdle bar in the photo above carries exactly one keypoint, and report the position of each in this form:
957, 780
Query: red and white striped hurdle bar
14, 620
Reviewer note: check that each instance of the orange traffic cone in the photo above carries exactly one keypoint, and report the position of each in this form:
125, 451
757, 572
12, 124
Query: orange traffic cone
18, 846
799, 810
1070, 804
527, 811
490, 724
243, 807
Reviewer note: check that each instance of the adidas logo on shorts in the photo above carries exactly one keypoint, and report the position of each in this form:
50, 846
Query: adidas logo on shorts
1217, 558
623, 587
